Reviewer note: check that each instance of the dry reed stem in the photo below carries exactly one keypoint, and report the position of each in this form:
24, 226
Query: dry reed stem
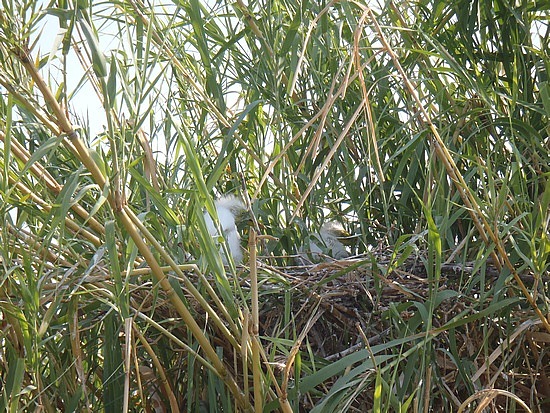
487, 396
128, 220
254, 325
191, 288
159, 368
445, 157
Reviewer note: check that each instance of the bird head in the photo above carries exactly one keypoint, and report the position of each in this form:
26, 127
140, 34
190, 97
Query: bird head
334, 230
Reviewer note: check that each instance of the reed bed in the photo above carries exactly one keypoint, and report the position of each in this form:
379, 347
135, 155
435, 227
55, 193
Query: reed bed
422, 127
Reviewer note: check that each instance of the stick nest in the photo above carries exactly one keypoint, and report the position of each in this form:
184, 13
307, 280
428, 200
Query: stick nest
332, 310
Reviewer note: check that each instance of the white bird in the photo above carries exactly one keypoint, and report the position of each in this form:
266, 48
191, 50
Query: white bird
327, 243
227, 207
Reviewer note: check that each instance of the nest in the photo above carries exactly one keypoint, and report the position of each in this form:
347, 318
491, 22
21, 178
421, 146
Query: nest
357, 303
341, 307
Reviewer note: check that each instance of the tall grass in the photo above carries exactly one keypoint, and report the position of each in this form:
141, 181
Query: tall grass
421, 126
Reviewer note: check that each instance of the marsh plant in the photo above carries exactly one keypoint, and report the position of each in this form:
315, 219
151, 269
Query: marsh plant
421, 127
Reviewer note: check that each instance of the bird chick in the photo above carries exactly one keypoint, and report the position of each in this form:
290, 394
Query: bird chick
327, 243
227, 207
331, 234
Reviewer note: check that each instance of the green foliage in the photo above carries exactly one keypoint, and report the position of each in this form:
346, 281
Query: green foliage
421, 126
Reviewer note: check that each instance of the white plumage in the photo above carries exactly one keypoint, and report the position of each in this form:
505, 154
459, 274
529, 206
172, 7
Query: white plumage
227, 208
329, 234
326, 244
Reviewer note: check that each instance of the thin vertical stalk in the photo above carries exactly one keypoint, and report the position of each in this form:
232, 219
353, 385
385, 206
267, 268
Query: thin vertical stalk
254, 327
445, 157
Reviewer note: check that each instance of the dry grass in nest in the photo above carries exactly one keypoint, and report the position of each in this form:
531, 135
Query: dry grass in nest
347, 306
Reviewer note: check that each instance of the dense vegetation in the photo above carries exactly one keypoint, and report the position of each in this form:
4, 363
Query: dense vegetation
421, 126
